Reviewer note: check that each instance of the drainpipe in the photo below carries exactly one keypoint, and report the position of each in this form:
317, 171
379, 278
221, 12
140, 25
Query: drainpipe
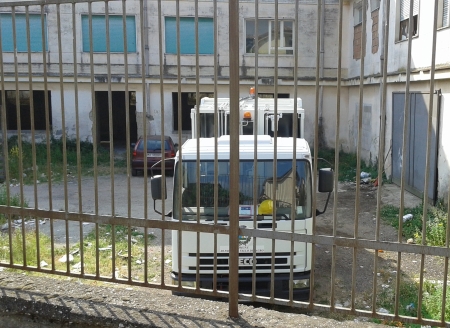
321, 74
381, 35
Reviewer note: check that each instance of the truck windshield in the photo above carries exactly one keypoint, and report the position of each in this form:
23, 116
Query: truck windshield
290, 188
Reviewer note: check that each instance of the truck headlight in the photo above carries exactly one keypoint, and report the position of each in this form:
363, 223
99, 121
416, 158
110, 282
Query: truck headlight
301, 283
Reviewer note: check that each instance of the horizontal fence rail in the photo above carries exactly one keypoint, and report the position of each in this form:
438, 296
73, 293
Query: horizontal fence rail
253, 198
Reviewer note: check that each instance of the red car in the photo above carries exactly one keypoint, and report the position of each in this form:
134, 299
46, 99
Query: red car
153, 154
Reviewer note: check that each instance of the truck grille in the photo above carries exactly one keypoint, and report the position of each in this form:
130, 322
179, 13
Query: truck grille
246, 261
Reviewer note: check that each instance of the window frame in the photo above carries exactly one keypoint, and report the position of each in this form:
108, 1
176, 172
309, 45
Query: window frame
21, 32
403, 22
206, 36
375, 5
357, 11
281, 41
131, 42
443, 9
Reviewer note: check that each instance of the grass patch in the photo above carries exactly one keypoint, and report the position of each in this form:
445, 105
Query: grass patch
347, 164
56, 159
408, 300
436, 224
89, 247
14, 200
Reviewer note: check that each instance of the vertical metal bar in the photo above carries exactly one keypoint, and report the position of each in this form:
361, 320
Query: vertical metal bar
427, 160
144, 10
127, 122
33, 143
161, 96
404, 156
216, 135
316, 146
359, 149
144, 108
233, 32
30, 86
127, 108
111, 141
19, 127
197, 126
255, 147
275, 147
94, 137
294, 157
47, 116
77, 127
63, 128
47, 129
179, 127
144, 112
17, 96
336, 157
381, 149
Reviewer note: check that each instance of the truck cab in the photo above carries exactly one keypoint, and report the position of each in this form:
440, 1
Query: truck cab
252, 110
273, 195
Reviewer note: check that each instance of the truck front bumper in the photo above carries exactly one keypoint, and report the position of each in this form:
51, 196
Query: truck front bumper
262, 284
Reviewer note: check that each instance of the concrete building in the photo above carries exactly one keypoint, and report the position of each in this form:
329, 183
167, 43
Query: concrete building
154, 80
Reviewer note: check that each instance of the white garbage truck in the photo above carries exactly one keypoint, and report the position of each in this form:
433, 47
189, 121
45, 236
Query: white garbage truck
273, 195
264, 120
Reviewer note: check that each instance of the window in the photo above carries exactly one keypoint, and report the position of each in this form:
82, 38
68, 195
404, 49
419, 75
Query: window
266, 37
272, 95
188, 37
404, 19
116, 33
252, 188
357, 13
188, 101
444, 13
25, 109
374, 5
21, 32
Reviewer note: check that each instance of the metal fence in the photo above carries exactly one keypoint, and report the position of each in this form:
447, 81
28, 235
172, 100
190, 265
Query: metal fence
82, 80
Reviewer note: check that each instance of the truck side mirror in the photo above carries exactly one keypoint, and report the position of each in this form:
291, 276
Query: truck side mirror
156, 188
326, 183
326, 180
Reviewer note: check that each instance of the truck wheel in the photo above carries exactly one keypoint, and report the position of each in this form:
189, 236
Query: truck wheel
134, 172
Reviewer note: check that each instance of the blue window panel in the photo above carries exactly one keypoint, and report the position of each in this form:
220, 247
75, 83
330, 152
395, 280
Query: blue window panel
187, 35
21, 33
116, 33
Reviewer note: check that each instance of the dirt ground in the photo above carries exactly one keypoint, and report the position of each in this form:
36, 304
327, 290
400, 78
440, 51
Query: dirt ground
358, 267
348, 264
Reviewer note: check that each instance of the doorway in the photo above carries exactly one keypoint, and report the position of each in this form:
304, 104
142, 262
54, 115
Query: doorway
119, 117
416, 143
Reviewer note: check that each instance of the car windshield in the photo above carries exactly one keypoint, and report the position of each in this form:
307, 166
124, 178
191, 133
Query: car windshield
153, 145
291, 188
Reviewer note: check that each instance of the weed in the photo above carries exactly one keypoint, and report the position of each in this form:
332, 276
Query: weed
49, 160
89, 247
436, 224
14, 200
347, 164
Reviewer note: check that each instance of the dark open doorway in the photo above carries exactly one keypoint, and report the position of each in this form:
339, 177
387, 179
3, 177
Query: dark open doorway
118, 117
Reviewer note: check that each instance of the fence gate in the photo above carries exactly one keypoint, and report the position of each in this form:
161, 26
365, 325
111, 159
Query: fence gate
105, 180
